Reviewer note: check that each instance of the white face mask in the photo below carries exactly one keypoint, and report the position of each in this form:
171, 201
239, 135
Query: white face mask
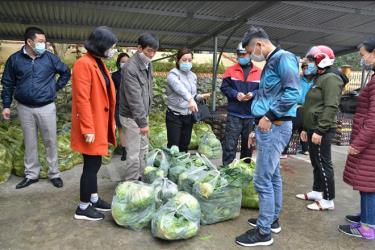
258, 58
122, 65
110, 53
144, 58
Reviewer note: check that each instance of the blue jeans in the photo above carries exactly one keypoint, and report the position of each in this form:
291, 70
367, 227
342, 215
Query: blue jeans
368, 209
267, 177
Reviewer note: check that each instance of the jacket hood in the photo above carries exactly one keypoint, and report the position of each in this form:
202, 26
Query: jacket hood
336, 71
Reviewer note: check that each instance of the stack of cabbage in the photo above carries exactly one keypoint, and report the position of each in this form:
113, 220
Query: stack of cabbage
133, 205
178, 219
157, 165
11, 137
210, 146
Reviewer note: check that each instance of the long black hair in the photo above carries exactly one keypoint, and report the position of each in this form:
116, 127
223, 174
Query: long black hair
100, 40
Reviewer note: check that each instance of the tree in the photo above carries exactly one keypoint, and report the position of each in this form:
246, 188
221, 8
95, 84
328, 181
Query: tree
352, 59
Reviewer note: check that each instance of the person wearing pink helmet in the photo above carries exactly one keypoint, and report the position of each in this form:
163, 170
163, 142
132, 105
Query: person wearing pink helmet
319, 124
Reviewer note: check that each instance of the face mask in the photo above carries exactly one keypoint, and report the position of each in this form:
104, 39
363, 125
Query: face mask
39, 48
185, 67
243, 60
257, 58
110, 53
144, 58
364, 65
311, 69
122, 65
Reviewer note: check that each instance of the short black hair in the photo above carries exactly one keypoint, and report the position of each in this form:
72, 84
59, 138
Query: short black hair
148, 40
100, 39
30, 33
254, 32
368, 44
119, 57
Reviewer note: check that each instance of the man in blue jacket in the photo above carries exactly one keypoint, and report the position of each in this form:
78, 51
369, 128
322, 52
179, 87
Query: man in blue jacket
30, 75
273, 107
240, 84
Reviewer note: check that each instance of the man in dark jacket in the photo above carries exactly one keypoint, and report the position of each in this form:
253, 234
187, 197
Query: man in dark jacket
240, 83
30, 75
135, 104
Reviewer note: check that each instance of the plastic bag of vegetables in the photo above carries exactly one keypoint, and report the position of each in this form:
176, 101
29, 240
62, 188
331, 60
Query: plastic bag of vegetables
133, 205
250, 198
219, 201
5, 164
178, 165
210, 146
157, 165
164, 190
178, 219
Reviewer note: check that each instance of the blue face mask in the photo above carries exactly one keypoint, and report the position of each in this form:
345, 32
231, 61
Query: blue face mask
40, 48
186, 66
243, 60
311, 69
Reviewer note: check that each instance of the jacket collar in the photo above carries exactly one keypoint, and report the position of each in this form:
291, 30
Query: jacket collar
140, 62
24, 52
99, 72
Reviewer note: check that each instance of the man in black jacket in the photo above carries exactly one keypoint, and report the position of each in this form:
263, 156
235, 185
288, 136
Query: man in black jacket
30, 75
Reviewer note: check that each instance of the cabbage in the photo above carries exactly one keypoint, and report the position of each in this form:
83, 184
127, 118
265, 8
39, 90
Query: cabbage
157, 166
210, 146
133, 205
5, 164
158, 136
219, 200
178, 219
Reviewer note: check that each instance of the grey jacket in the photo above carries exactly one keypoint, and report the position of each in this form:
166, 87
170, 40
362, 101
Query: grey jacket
136, 91
182, 86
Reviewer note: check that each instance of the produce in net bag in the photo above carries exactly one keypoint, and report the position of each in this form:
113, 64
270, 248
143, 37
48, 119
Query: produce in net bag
219, 201
157, 165
210, 146
164, 190
178, 219
133, 205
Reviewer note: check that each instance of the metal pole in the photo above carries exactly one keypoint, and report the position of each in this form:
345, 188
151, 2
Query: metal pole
214, 75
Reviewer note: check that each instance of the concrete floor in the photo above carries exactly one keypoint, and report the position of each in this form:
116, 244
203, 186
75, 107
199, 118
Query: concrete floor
41, 216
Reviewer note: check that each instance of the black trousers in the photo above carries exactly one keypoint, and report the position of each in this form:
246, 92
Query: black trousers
297, 126
89, 184
236, 127
179, 128
320, 157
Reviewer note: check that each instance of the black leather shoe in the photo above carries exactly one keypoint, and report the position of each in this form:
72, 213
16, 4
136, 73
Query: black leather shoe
57, 182
26, 182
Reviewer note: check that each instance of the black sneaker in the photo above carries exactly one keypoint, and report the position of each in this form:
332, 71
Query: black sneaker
101, 205
275, 227
89, 213
254, 238
353, 218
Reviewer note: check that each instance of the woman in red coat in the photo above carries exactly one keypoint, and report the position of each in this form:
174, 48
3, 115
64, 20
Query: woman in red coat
93, 123
360, 167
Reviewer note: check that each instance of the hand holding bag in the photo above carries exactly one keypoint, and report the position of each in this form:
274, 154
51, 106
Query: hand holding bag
203, 112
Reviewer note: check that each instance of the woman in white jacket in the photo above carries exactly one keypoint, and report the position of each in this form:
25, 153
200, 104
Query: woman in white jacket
182, 96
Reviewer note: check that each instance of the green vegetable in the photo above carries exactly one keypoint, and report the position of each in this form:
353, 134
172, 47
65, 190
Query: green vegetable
133, 205
157, 165
178, 219
5, 164
164, 190
210, 146
219, 200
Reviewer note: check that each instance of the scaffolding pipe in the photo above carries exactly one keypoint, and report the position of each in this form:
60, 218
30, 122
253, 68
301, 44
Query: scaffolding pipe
214, 76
